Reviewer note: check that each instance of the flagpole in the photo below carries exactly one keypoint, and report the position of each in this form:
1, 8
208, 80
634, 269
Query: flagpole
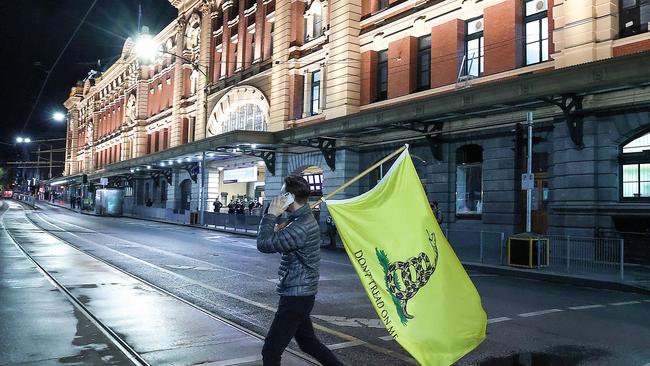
359, 176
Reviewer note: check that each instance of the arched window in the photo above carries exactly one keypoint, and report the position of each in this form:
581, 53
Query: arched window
242, 108
469, 180
635, 169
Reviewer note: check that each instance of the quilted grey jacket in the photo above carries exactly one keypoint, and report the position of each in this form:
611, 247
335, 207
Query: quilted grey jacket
299, 243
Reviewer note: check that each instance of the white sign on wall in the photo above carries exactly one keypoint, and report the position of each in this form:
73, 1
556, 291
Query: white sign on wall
242, 175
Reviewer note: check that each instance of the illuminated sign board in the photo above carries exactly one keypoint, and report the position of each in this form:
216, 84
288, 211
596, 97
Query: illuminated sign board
242, 175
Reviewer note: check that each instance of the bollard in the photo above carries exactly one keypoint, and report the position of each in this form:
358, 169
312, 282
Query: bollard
568, 252
622, 259
481, 248
501, 245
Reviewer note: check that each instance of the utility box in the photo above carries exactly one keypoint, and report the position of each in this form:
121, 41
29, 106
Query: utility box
528, 250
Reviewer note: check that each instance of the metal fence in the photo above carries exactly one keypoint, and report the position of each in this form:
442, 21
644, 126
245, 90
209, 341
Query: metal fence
235, 222
25, 198
575, 255
158, 213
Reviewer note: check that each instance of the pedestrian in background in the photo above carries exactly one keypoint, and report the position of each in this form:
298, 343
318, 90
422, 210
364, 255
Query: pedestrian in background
217, 205
73, 201
299, 243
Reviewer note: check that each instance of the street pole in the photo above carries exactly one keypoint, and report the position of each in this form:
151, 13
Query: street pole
529, 170
38, 162
202, 190
49, 176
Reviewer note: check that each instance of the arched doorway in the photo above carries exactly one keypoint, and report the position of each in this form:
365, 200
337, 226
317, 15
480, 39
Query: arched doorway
185, 195
242, 108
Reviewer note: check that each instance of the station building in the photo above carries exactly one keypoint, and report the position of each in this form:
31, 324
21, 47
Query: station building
325, 88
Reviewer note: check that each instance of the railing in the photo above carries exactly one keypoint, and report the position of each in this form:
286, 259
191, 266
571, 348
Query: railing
235, 222
599, 257
25, 198
244, 223
159, 213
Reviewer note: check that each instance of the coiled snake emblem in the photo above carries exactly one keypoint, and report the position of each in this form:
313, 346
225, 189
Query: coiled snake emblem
405, 278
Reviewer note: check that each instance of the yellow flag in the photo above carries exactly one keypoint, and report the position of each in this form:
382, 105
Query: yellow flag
413, 278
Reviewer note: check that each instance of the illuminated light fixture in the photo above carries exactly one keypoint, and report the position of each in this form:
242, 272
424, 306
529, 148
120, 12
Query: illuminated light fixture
188, 159
261, 162
220, 168
162, 163
132, 170
137, 169
254, 146
148, 166
20, 140
27, 140
179, 161
145, 47
211, 154
58, 116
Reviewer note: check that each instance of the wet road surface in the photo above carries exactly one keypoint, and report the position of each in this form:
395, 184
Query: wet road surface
530, 322
161, 329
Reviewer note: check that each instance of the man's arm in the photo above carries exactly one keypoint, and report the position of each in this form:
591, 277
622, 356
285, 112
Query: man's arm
290, 238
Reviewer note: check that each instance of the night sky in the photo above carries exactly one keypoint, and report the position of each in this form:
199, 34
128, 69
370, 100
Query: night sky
33, 34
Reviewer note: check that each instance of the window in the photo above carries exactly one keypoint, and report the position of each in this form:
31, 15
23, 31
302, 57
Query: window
634, 17
252, 50
314, 20
469, 181
244, 117
635, 169
315, 184
424, 63
474, 48
536, 31
382, 4
314, 106
382, 75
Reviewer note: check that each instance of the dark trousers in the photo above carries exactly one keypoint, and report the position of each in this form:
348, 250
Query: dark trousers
292, 320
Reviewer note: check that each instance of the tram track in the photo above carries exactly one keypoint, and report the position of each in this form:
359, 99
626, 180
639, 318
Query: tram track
347, 338
112, 335
115, 339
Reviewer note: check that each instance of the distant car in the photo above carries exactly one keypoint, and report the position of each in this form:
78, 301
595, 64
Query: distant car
7, 194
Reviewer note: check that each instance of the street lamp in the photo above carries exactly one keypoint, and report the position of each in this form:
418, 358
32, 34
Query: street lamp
58, 116
147, 50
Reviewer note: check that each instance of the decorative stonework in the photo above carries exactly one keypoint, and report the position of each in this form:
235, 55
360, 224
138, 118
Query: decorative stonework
193, 32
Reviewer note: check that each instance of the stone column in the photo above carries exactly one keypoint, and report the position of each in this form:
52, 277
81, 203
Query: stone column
584, 30
178, 84
279, 112
343, 78
203, 81
142, 96
72, 144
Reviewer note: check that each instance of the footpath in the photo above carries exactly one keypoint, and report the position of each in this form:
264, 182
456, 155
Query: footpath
637, 278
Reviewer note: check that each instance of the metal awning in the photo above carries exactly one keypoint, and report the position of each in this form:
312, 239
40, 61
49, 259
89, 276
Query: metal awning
220, 147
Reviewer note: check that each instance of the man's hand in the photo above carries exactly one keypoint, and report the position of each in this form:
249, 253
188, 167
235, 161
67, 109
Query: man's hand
277, 206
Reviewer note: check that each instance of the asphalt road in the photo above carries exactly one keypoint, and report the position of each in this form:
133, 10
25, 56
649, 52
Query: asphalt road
530, 322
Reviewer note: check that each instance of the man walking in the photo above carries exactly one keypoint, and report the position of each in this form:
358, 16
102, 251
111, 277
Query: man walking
298, 240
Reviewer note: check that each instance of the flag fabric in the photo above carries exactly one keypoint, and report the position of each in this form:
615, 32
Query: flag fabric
412, 276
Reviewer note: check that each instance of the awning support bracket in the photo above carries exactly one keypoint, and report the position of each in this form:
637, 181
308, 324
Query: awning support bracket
570, 104
268, 157
429, 130
327, 147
